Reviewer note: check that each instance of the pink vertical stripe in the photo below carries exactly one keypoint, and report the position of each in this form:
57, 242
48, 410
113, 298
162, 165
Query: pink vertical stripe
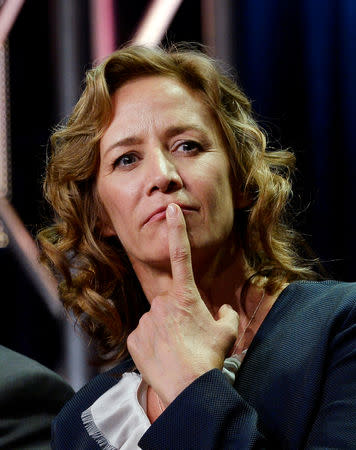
8, 14
103, 28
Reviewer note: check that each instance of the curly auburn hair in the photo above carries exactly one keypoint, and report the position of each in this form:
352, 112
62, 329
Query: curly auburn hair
98, 283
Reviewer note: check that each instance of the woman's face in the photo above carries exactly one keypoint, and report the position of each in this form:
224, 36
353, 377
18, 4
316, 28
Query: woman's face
163, 146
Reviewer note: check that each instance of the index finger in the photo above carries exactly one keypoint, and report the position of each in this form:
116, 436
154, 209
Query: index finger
179, 248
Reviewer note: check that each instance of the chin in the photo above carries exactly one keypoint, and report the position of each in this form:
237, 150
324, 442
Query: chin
156, 257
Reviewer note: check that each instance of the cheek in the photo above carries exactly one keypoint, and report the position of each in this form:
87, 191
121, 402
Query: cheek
109, 206
224, 207
219, 186
110, 196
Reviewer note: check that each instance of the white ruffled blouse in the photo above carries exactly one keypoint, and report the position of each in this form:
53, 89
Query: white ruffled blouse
118, 419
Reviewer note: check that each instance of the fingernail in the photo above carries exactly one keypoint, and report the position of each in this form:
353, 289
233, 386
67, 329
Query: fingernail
171, 210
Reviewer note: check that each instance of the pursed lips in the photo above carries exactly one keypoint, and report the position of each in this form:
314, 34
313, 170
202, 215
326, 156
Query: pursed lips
160, 213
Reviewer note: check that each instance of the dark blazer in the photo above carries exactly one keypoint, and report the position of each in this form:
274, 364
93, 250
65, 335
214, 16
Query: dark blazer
30, 397
296, 388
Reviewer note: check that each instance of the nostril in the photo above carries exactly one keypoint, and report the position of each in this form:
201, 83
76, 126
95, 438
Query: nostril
169, 186
172, 185
165, 182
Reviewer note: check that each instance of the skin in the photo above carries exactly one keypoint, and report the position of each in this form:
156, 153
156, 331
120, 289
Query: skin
163, 148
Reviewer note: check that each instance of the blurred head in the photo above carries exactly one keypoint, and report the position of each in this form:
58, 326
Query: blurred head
83, 243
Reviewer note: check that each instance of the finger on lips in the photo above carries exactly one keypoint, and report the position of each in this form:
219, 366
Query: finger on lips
179, 247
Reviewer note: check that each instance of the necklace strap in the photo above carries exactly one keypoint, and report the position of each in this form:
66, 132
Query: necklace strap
161, 408
234, 350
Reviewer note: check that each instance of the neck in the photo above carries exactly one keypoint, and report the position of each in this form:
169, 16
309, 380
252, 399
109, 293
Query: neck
219, 277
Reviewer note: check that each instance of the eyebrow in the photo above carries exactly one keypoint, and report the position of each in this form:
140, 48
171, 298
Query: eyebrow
125, 142
169, 133
174, 131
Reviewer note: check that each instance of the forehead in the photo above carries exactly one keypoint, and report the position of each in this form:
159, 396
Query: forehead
156, 89
156, 101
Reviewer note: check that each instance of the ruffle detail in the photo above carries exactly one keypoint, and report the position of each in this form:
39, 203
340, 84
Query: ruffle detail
118, 419
231, 366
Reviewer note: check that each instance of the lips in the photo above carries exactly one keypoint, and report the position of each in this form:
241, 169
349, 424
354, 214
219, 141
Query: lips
160, 213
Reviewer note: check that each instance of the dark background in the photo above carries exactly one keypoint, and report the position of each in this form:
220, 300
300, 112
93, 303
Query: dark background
296, 62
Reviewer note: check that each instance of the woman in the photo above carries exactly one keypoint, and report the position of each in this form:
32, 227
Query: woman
175, 255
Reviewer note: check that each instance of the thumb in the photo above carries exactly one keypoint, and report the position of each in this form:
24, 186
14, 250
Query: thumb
229, 320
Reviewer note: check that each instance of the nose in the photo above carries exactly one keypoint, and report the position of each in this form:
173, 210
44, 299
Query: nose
162, 174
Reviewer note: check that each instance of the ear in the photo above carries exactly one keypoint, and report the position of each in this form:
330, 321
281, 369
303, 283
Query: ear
104, 224
104, 227
242, 199
107, 230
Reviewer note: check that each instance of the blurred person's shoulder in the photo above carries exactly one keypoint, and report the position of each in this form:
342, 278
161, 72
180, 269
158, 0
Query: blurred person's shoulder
31, 395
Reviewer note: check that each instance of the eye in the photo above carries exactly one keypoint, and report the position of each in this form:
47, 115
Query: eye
125, 160
188, 147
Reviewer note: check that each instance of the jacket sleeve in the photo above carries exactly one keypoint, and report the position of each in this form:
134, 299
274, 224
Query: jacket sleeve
209, 414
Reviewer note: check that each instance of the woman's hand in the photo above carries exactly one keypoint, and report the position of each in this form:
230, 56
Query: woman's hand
178, 339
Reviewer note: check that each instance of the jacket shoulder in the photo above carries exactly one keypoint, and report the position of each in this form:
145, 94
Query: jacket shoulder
330, 295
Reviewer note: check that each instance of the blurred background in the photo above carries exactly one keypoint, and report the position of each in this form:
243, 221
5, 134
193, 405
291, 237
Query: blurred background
295, 59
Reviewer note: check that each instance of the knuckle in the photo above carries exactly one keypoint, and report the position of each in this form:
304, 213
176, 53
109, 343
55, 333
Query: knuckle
144, 319
184, 306
231, 326
230, 313
131, 340
180, 225
186, 297
234, 316
231, 329
180, 254
234, 328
